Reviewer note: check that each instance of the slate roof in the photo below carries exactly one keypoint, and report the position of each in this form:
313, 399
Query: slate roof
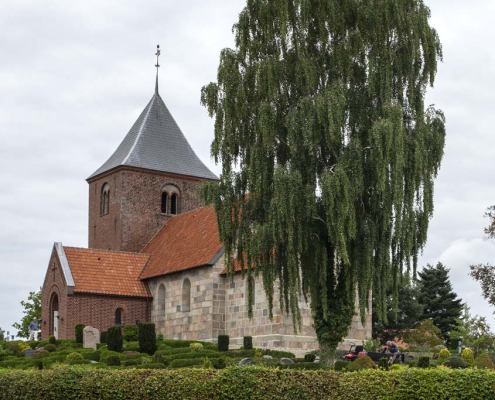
107, 272
155, 142
186, 241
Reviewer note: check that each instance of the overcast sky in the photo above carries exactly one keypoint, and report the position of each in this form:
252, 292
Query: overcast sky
74, 76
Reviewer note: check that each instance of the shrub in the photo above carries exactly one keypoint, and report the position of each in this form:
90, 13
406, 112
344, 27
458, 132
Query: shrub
186, 363
396, 367
115, 339
74, 358
483, 361
280, 354
424, 362
219, 363
41, 354
150, 366
411, 363
371, 344
52, 340
131, 333
443, 353
113, 361
248, 342
79, 332
147, 338
103, 336
129, 363
340, 365
207, 363
131, 346
50, 348
309, 357
361, 363
383, 363
468, 356
439, 348
455, 362
196, 346
223, 342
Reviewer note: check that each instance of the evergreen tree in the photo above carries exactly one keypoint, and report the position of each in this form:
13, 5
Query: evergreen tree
440, 302
32, 308
328, 152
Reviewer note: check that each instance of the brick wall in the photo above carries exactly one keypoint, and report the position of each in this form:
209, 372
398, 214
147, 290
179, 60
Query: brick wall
135, 207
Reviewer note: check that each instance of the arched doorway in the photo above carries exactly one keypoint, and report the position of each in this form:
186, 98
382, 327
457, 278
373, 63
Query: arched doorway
53, 326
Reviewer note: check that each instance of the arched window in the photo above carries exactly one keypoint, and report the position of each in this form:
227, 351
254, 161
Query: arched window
174, 204
105, 199
250, 286
164, 202
160, 300
170, 200
119, 316
186, 295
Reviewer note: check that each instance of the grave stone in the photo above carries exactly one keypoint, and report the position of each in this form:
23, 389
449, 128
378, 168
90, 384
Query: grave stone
246, 361
268, 357
91, 337
29, 352
285, 360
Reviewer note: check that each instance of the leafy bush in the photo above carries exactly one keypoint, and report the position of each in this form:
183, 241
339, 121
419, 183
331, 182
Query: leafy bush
131, 333
180, 363
371, 344
207, 363
309, 357
468, 356
103, 336
411, 363
438, 348
113, 361
52, 340
115, 339
129, 363
383, 363
223, 342
361, 363
79, 332
131, 346
424, 362
147, 338
483, 361
219, 363
302, 366
41, 354
396, 367
248, 342
443, 353
196, 346
455, 362
50, 348
150, 366
74, 358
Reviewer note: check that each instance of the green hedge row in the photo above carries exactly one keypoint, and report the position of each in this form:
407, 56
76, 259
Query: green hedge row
240, 383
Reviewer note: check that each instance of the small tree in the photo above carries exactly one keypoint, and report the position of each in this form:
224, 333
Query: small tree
425, 335
223, 342
147, 338
79, 328
131, 332
115, 340
32, 308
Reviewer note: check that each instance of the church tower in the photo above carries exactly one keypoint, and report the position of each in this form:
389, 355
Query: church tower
152, 176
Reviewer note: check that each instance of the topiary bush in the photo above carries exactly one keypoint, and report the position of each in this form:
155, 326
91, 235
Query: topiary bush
52, 340
50, 348
147, 338
309, 357
468, 356
41, 354
103, 336
131, 333
483, 361
79, 332
74, 358
115, 339
455, 362
196, 346
361, 363
223, 342
423, 362
443, 353
248, 342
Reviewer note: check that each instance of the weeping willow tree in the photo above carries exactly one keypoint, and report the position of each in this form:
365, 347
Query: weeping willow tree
328, 152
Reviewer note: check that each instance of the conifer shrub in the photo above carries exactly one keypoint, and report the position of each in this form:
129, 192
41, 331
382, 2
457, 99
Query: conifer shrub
219, 363
113, 361
131, 333
248, 342
147, 338
444, 353
52, 340
79, 332
74, 358
223, 342
309, 357
455, 362
423, 362
483, 361
361, 363
114, 338
103, 336
468, 356
50, 348
42, 354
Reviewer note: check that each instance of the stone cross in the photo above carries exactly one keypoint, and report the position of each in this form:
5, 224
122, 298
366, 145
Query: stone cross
91, 337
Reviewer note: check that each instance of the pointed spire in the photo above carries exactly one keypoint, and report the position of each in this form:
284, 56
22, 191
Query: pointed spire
157, 54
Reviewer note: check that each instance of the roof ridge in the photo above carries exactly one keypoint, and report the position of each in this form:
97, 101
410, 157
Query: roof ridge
105, 250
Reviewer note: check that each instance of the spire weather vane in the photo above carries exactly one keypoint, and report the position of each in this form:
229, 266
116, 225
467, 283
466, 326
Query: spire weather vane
157, 54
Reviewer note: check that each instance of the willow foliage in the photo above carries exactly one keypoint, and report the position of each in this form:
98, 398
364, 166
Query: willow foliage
328, 152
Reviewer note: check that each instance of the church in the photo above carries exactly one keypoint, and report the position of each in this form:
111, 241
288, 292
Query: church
154, 253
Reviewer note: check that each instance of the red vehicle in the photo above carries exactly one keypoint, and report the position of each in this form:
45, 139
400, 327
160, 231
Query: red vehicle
354, 352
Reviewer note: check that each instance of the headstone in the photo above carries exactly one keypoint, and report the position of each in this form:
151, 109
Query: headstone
268, 357
91, 337
29, 352
246, 361
285, 360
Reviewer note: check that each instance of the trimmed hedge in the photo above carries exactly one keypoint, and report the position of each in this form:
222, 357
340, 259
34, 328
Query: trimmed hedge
147, 338
248, 342
115, 340
79, 328
223, 342
252, 383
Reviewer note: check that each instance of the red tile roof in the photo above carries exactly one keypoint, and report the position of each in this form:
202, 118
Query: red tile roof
188, 240
107, 272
